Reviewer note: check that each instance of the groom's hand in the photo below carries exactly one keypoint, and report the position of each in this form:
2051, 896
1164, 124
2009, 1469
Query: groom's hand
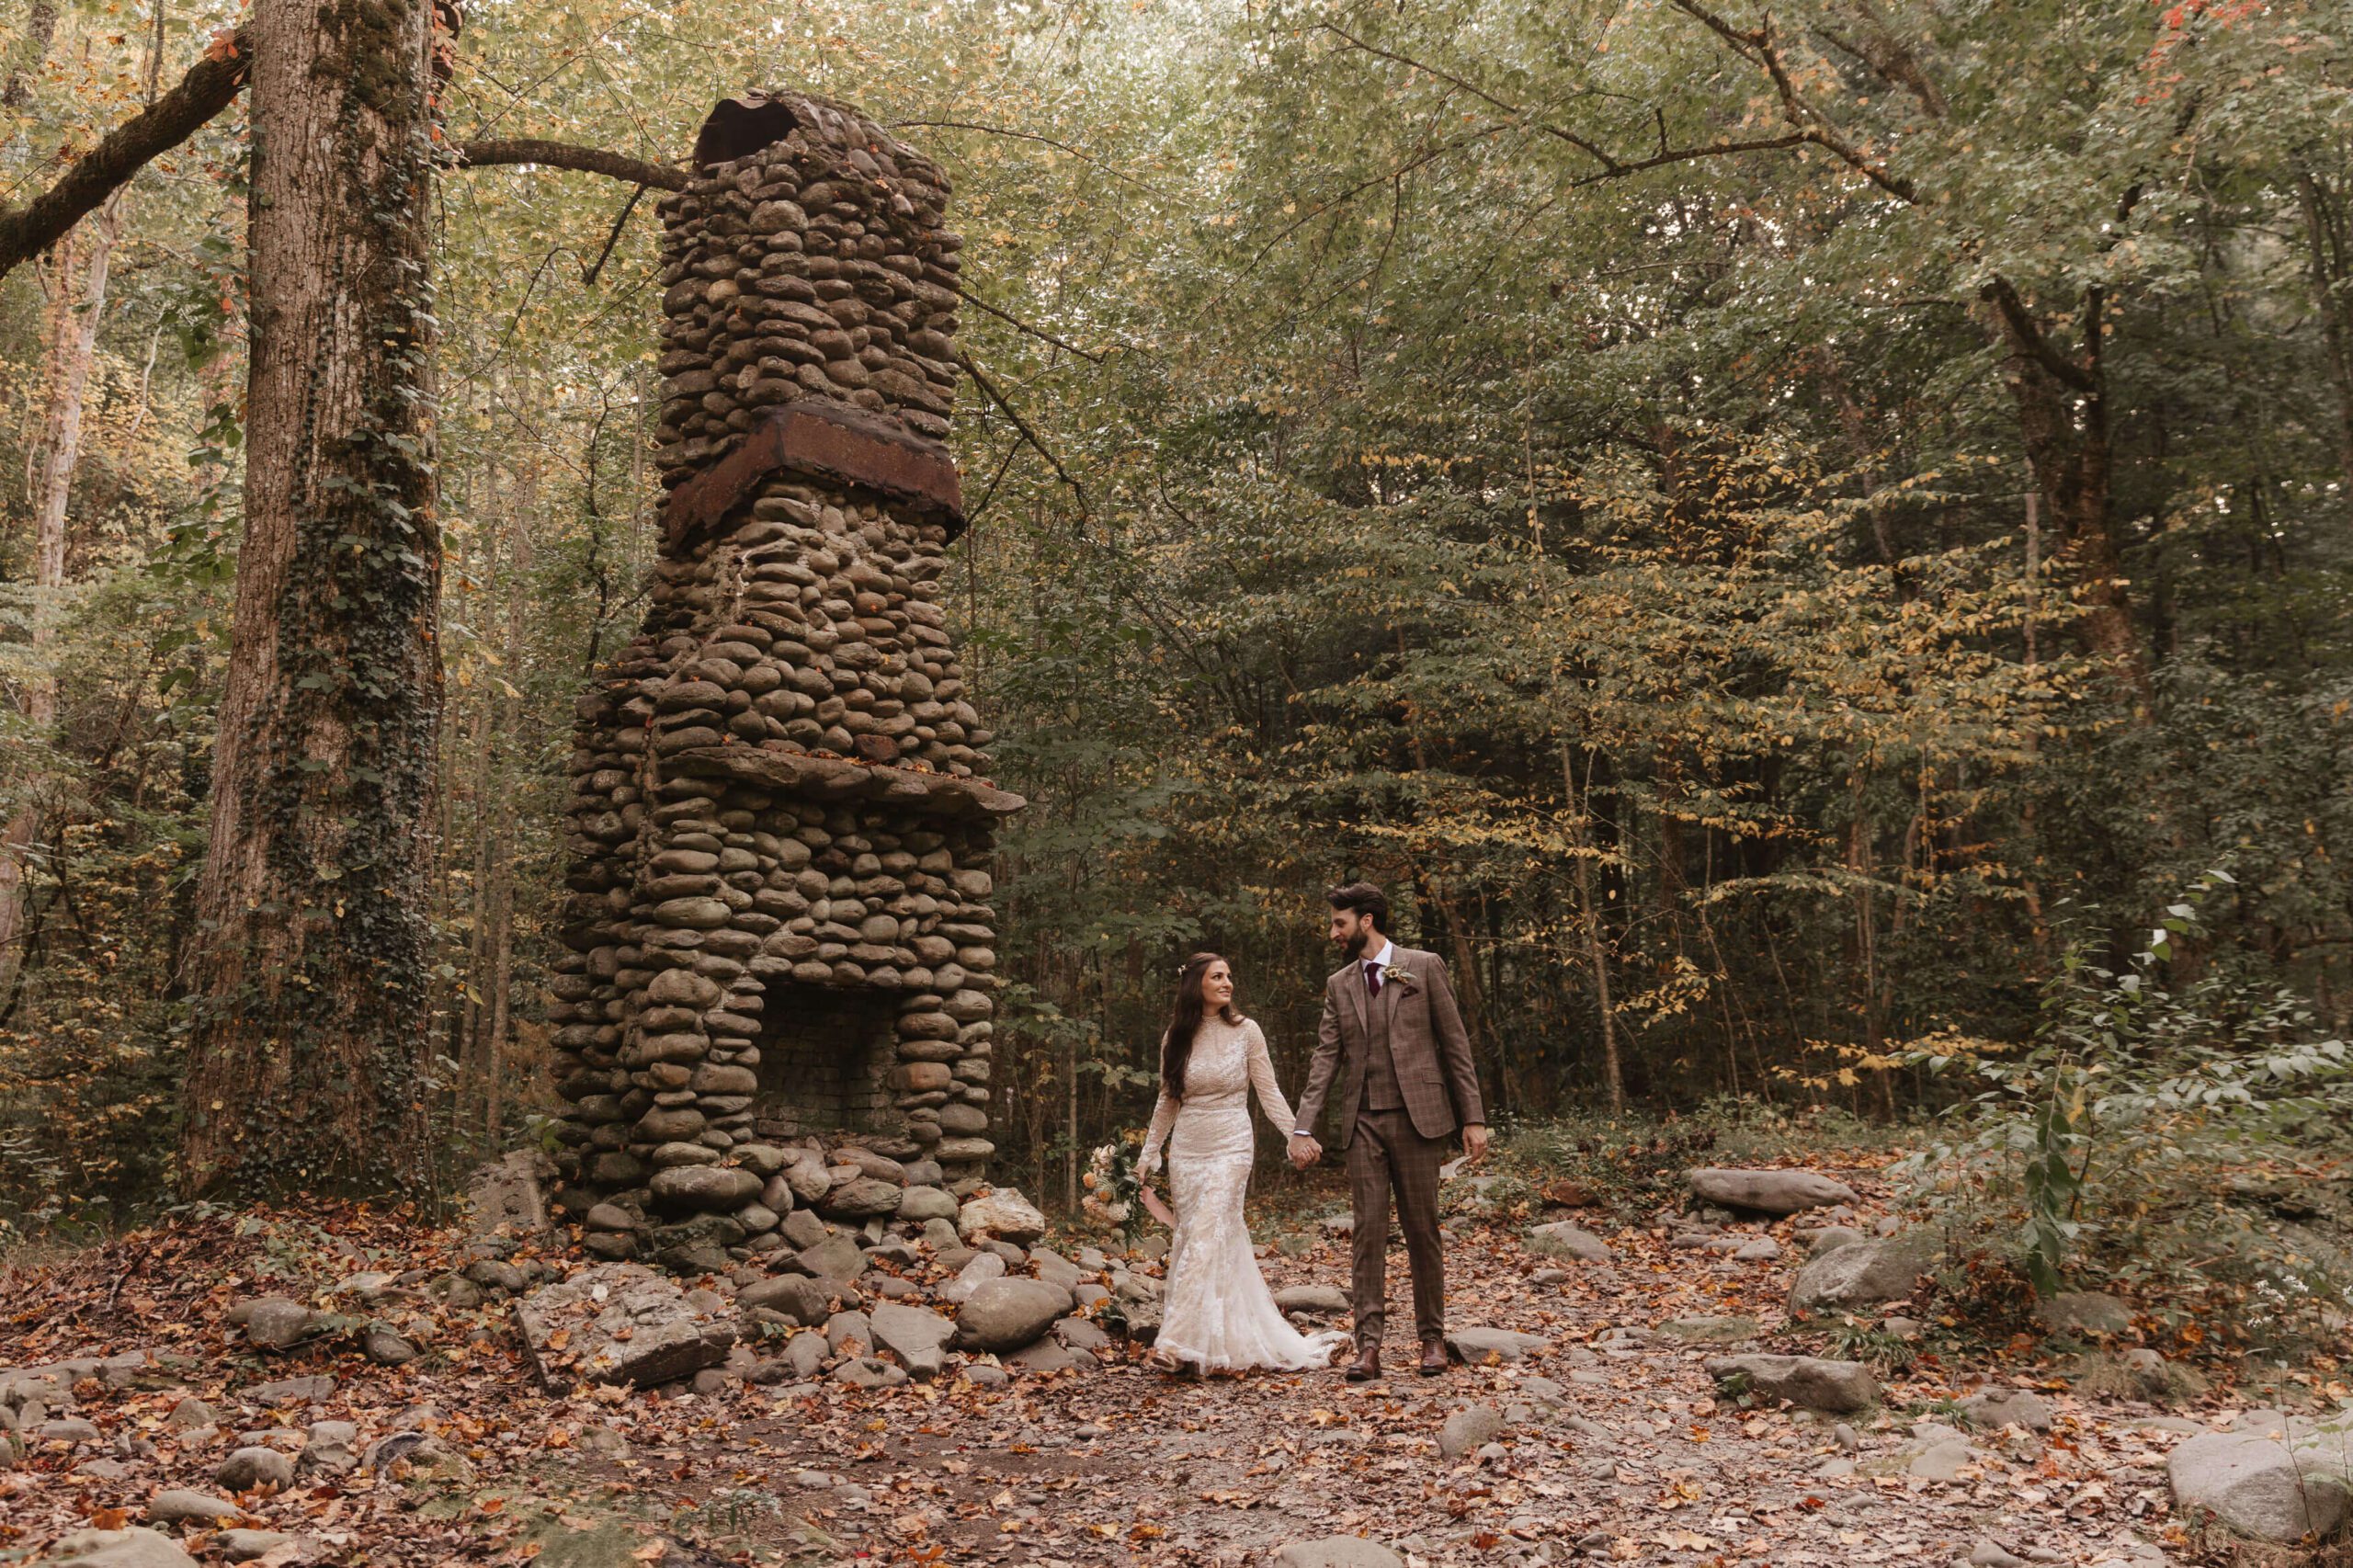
1304, 1151
1474, 1141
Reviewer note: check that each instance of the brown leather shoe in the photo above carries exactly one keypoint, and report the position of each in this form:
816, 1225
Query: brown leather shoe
1433, 1360
1367, 1366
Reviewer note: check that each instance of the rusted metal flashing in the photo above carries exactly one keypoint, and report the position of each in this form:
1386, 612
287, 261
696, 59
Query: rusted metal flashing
828, 440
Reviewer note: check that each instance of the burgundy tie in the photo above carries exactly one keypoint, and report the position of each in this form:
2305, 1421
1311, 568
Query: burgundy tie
1372, 978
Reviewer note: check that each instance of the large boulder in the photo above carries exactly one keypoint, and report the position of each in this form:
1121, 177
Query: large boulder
1864, 1274
2092, 1313
797, 1297
1803, 1381
618, 1323
132, 1548
1469, 1430
1768, 1192
1005, 1315
861, 1198
917, 1337
704, 1188
1561, 1239
1338, 1552
1002, 1213
2257, 1485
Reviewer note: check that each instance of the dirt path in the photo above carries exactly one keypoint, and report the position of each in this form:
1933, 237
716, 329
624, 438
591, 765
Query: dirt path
1610, 1441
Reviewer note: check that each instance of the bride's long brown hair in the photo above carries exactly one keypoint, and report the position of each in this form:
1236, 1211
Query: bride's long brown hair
1185, 1022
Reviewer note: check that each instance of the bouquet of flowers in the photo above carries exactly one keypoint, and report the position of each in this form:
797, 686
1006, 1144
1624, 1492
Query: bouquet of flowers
1112, 1199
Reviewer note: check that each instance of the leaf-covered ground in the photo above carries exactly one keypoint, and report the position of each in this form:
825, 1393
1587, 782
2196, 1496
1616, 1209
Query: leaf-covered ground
1634, 1458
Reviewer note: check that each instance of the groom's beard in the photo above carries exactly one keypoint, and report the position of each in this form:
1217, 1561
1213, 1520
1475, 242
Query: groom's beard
1356, 945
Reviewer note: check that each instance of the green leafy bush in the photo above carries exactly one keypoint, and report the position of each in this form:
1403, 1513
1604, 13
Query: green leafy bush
2192, 1133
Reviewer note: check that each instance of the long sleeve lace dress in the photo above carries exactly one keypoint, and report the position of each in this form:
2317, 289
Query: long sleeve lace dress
1217, 1311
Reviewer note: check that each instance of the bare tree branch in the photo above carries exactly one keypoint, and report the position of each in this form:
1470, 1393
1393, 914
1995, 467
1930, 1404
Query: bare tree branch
564, 156
2026, 335
980, 380
210, 86
1041, 334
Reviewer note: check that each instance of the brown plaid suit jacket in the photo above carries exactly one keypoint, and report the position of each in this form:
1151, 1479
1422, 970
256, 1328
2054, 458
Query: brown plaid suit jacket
1426, 1041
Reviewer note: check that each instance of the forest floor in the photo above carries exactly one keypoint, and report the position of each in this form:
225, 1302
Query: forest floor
1615, 1446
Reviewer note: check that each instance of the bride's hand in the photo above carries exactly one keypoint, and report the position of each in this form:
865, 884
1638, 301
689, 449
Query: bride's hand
1156, 1207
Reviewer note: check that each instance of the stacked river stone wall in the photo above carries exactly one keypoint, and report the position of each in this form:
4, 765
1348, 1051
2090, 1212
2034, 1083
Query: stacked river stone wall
780, 939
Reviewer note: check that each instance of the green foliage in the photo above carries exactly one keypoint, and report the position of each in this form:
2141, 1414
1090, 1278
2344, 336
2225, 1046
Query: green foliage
2134, 1128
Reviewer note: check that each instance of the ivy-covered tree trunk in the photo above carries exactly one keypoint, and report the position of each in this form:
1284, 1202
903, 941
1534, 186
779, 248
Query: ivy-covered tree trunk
308, 1044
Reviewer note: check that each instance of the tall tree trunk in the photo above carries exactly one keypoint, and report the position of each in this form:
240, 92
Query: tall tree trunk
79, 305
502, 903
309, 1043
2061, 408
2331, 267
1597, 947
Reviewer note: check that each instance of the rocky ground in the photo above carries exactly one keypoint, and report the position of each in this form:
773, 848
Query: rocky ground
353, 1388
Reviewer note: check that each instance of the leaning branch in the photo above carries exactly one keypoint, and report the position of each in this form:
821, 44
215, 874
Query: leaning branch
564, 156
210, 86
980, 380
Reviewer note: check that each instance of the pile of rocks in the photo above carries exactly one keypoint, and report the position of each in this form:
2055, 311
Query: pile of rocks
780, 931
869, 1302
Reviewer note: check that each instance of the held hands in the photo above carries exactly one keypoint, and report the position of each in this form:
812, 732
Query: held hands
1304, 1151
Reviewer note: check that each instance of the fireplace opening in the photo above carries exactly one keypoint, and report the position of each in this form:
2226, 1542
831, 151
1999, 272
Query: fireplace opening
825, 1060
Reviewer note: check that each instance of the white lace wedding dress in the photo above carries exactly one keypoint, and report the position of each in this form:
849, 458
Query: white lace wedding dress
1217, 1311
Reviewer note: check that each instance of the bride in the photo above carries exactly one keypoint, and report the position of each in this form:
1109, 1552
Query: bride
1217, 1313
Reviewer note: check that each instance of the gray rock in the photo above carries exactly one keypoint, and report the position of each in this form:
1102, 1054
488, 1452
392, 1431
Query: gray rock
624, 1324
293, 1391
1768, 1191
132, 1548
985, 1375
796, 1297
1313, 1300
1830, 1238
861, 1198
867, 1372
243, 1546
191, 1413
331, 1447
1941, 1462
977, 1272
1764, 1249
1003, 1213
925, 1203
1476, 1345
385, 1347
1469, 1427
2256, 1487
1077, 1333
1711, 1330
850, 1334
1803, 1381
495, 1274
1005, 1315
2009, 1407
247, 1469
181, 1506
1864, 1274
1338, 1552
705, 1188
276, 1323
837, 1258
1561, 1239
1987, 1552
2086, 1311
1055, 1269
1047, 1356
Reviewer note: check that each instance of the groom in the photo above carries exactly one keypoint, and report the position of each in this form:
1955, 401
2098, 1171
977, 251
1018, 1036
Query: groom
1389, 1014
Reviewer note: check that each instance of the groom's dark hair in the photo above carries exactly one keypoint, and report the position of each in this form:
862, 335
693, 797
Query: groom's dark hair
1362, 898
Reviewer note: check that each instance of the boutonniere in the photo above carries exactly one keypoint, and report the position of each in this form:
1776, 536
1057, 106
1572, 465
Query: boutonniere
1398, 975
